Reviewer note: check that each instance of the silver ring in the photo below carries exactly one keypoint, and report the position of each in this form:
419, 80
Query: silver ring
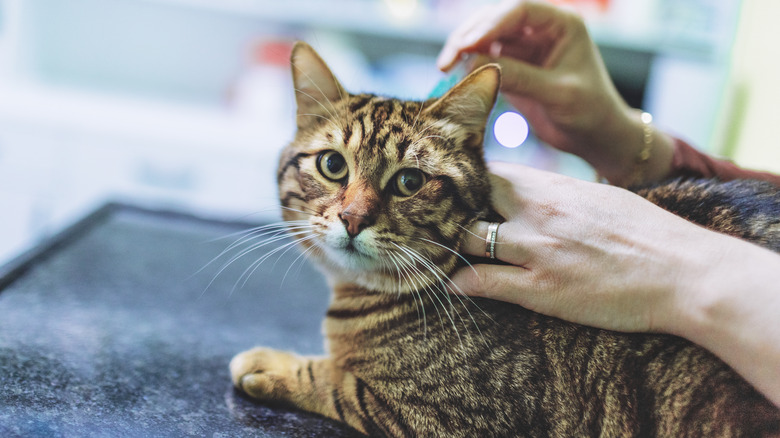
490, 240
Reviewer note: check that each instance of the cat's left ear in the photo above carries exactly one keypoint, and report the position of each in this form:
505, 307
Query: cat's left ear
316, 88
469, 102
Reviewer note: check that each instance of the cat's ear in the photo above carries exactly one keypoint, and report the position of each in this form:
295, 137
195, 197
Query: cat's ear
316, 88
470, 101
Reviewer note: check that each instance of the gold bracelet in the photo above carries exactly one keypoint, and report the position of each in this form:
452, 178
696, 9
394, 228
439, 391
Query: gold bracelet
647, 146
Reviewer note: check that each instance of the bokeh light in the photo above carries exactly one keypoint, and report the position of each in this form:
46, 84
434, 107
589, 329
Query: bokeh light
510, 129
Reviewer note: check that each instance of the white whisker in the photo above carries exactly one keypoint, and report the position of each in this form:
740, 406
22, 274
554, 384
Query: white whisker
270, 234
416, 257
256, 264
413, 288
452, 251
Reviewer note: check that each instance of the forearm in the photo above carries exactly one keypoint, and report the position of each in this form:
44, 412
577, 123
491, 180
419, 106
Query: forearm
669, 157
734, 310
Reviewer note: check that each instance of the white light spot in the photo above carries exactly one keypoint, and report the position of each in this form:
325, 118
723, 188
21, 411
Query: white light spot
402, 9
510, 129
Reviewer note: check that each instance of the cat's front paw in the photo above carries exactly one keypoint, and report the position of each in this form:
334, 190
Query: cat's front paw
265, 374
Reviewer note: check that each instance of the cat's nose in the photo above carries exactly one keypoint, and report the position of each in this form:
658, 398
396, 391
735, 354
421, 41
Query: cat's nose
355, 223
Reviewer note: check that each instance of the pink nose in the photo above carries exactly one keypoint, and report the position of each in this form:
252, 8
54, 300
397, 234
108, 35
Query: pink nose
354, 223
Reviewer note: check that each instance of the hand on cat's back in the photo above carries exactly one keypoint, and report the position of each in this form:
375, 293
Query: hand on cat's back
602, 256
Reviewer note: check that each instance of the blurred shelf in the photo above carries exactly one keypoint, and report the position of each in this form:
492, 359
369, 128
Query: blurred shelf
433, 26
122, 116
355, 16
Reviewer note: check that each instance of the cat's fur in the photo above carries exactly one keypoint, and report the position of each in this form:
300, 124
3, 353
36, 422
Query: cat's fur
406, 358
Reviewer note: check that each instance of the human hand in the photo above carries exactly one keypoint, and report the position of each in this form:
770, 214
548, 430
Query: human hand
584, 252
553, 73
602, 256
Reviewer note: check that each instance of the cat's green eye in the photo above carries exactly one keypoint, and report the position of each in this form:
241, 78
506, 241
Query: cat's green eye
408, 181
332, 165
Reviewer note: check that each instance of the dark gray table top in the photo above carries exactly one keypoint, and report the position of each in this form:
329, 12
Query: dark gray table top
110, 330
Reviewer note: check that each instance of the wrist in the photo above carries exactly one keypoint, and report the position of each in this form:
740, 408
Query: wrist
636, 151
727, 295
731, 310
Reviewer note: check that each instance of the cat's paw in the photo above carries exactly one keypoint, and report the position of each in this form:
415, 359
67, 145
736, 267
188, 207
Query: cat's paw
264, 374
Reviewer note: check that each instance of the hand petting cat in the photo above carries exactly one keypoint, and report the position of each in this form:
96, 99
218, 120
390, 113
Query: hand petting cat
602, 256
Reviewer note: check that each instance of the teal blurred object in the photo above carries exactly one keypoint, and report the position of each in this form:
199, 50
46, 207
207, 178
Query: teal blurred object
447, 82
458, 72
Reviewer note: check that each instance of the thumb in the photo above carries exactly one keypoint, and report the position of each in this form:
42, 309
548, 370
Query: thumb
498, 282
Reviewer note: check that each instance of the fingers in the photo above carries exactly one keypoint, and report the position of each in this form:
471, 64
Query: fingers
512, 242
524, 27
498, 282
506, 201
480, 31
476, 241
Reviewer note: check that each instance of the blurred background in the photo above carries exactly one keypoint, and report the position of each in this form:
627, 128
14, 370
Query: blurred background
185, 104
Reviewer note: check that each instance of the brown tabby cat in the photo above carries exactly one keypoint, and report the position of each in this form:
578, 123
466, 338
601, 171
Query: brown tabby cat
381, 191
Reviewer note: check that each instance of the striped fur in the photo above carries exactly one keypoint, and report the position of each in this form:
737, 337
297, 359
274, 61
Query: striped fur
405, 357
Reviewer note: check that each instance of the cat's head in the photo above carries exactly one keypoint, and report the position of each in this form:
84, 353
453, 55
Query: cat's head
380, 191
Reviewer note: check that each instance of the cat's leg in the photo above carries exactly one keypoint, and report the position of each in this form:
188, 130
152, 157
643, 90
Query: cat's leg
311, 384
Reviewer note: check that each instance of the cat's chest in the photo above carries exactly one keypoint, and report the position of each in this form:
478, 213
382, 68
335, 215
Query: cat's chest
407, 334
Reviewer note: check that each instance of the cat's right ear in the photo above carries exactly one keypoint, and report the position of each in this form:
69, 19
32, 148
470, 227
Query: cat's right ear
316, 88
470, 101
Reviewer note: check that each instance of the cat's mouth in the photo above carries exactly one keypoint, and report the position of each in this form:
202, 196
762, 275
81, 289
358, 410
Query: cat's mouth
350, 248
351, 253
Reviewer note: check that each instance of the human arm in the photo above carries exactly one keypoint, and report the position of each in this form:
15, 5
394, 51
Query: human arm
554, 74
602, 256
687, 161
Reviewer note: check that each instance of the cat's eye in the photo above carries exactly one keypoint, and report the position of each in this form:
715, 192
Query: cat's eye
332, 165
408, 181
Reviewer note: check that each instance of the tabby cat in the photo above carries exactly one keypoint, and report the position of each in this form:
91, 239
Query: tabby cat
379, 192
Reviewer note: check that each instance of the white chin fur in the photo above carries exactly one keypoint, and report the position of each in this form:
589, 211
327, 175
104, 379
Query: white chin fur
364, 265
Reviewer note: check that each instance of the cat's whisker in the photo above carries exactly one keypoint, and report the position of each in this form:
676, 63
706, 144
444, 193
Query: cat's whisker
275, 225
403, 275
450, 250
330, 110
451, 289
276, 236
424, 130
257, 263
301, 240
254, 233
437, 273
413, 288
411, 146
444, 286
272, 231
417, 275
336, 125
396, 270
269, 237
416, 257
301, 257
311, 211
315, 83
470, 232
286, 247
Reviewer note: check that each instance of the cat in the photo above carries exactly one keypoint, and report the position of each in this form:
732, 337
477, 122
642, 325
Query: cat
380, 192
